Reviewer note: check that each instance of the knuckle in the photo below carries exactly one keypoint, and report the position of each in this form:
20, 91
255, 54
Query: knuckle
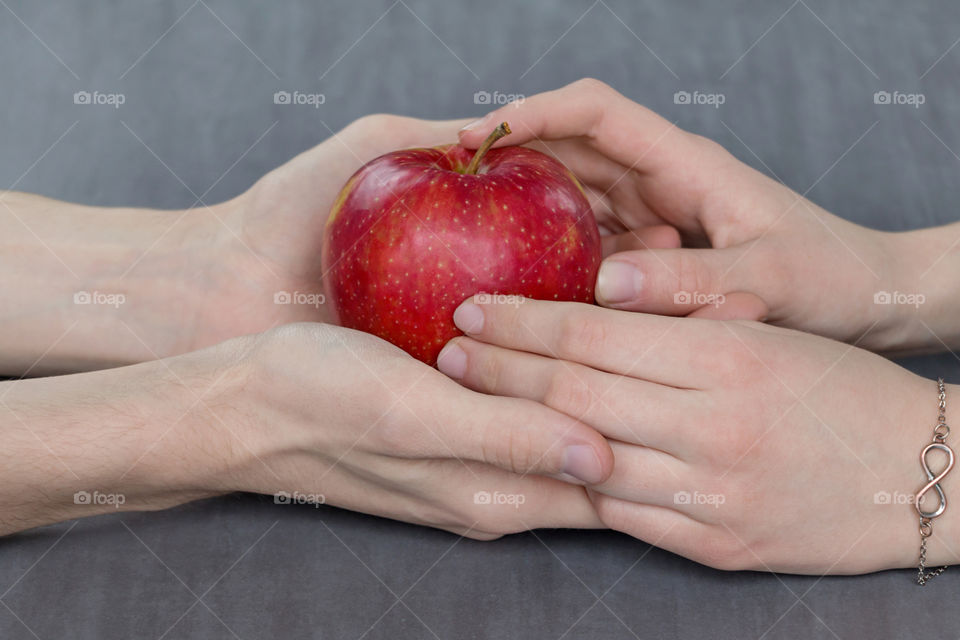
393, 434
491, 523
722, 362
283, 335
709, 146
489, 369
615, 515
480, 536
591, 85
767, 258
599, 95
733, 442
609, 515
404, 428
743, 355
568, 392
720, 550
691, 274
506, 319
512, 451
580, 334
372, 124
730, 353
458, 516
266, 350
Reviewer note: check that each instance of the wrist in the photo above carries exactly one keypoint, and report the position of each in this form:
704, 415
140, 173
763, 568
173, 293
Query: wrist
943, 546
897, 533
127, 439
918, 294
96, 287
166, 277
279, 420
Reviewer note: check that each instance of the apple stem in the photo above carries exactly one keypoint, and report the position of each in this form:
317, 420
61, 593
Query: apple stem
503, 129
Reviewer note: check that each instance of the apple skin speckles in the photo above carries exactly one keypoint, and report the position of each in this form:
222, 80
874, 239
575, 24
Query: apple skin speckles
413, 237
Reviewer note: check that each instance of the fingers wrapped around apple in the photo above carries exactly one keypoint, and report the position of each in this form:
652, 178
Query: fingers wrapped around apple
735, 442
415, 231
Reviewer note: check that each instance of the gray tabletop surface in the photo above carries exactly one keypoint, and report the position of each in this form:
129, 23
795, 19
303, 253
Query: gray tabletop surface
798, 78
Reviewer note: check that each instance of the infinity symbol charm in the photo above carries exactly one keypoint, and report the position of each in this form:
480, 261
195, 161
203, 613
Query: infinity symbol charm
934, 480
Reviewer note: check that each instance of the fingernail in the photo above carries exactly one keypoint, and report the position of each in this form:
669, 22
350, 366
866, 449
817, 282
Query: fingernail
469, 318
473, 125
566, 477
618, 282
581, 461
452, 361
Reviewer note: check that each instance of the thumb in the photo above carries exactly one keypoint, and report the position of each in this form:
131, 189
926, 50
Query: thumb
671, 282
523, 436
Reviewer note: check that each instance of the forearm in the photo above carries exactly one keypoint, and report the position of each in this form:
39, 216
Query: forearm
88, 287
128, 439
922, 292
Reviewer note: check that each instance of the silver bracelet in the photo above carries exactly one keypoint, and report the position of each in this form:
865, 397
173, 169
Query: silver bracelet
940, 433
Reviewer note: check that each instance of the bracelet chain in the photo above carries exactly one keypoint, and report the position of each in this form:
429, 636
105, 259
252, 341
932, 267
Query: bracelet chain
940, 433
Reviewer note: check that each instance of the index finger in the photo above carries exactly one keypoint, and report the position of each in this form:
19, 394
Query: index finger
618, 127
675, 171
671, 351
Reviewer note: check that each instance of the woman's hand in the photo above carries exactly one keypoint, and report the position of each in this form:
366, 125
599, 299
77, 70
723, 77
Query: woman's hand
774, 254
309, 412
736, 444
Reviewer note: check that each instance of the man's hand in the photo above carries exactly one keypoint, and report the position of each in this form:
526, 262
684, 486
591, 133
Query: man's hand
277, 228
773, 254
307, 412
343, 413
91, 287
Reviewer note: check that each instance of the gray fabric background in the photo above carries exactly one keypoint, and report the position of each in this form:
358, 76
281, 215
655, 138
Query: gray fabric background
242, 567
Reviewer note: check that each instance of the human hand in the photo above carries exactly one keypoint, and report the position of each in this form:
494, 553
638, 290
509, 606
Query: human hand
184, 279
312, 412
736, 444
281, 220
323, 410
773, 254
276, 229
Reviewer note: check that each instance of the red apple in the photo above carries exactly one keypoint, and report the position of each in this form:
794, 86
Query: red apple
415, 232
